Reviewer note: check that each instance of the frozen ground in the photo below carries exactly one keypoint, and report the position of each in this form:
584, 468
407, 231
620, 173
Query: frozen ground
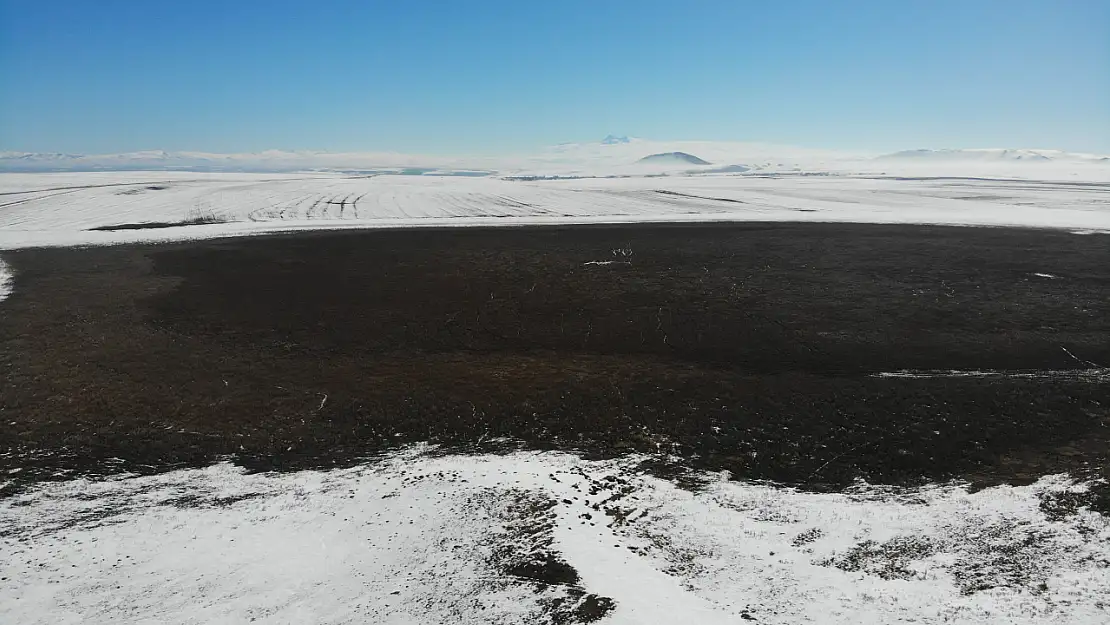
525, 537
61, 209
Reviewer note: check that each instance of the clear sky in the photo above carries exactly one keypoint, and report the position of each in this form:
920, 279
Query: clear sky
456, 77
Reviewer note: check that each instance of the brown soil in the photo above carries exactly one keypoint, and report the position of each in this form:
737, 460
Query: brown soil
747, 347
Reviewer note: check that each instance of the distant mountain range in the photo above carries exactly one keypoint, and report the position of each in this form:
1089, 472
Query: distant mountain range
267, 161
614, 155
996, 155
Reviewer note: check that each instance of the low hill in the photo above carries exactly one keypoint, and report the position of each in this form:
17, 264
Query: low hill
673, 158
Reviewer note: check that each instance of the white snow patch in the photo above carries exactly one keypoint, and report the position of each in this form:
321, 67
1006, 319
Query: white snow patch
5, 280
1097, 374
416, 539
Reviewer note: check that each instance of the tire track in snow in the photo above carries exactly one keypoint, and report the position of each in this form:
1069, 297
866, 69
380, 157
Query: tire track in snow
98, 186
277, 211
343, 204
38, 197
399, 204
354, 205
308, 214
293, 211
342, 201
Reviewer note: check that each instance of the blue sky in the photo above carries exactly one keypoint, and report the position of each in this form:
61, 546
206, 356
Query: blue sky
489, 77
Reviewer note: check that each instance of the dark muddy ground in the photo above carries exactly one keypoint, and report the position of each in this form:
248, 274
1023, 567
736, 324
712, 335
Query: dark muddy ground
747, 347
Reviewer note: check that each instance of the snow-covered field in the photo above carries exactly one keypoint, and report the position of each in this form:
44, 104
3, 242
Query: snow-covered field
60, 209
430, 539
